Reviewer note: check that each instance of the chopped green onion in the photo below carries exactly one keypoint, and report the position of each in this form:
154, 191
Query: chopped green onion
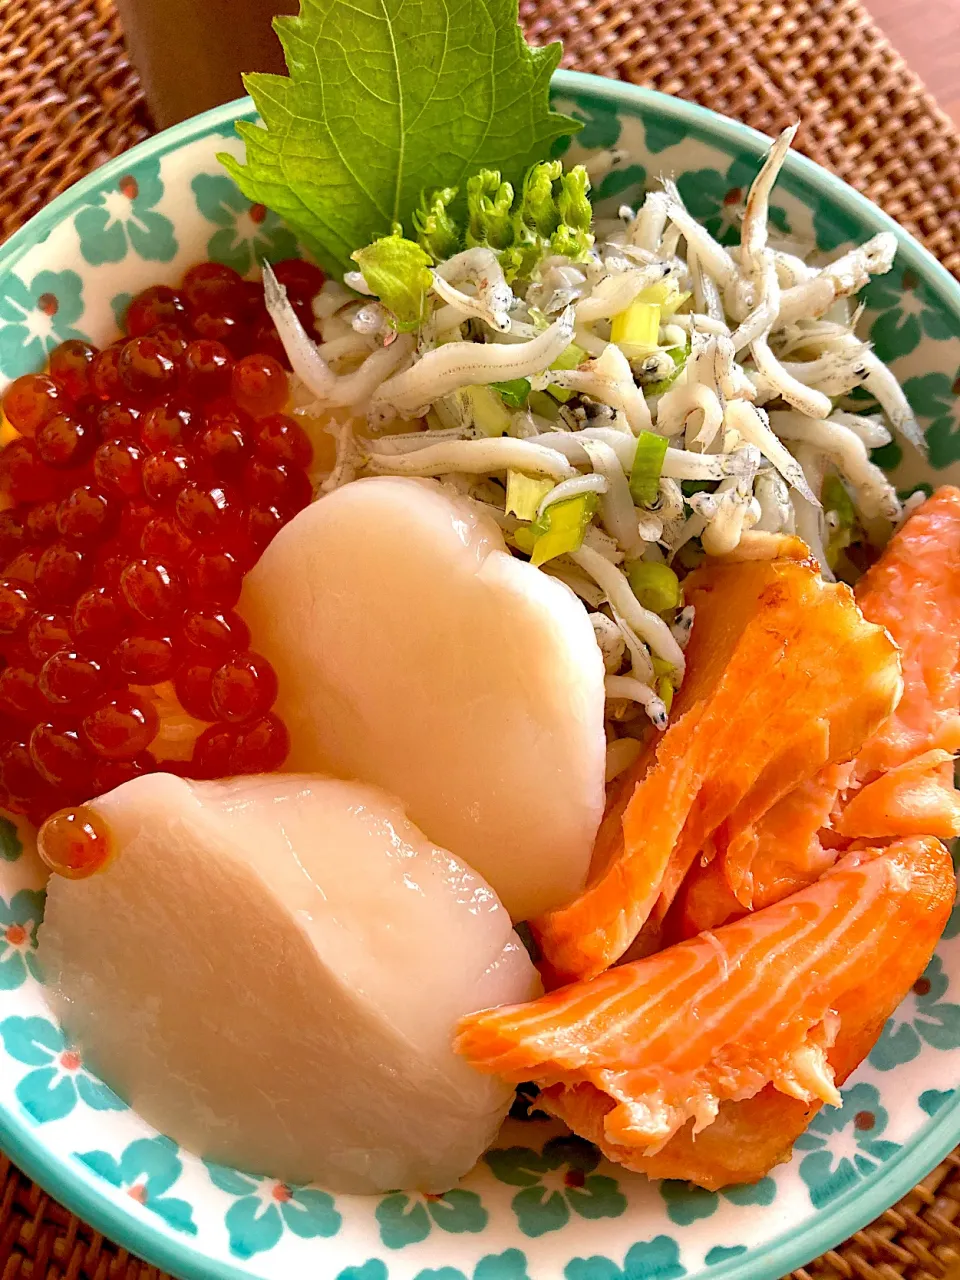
489, 415
661, 667
525, 493
540, 403
513, 393
647, 465
679, 357
665, 690
561, 529
571, 358
673, 305
660, 293
637, 328
562, 394
689, 487
656, 586
835, 498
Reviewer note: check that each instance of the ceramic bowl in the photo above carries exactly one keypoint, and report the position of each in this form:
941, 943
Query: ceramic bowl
542, 1205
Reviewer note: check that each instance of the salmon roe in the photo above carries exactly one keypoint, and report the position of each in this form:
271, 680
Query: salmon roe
144, 482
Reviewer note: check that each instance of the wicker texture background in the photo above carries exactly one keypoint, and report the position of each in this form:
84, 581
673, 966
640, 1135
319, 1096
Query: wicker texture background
69, 99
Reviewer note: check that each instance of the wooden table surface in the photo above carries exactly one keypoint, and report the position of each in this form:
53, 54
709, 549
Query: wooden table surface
927, 33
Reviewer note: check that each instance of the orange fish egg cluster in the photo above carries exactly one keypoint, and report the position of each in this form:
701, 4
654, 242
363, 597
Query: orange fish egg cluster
145, 480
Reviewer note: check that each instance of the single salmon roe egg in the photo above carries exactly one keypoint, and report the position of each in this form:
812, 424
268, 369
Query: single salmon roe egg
16, 606
59, 756
23, 475
262, 524
117, 466
75, 843
18, 777
259, 384
166, 426
243, 688
42, 522
216, 631
23, 566
213, 752
151, 589
165, 540
264, 337
158, 305
146, 368
62, 572
279, 438
164, 474
32, 400
211, 284
193, 687
48, 634
105, 375
71, 365
13, 535
121, 421
208, 512
120, 728
207, 367
69, 676
146, 657
98, 616
65, 441
214, 577
226, 325
224, 441
85, 513
172, 338
262, 746
302, 280
20, 696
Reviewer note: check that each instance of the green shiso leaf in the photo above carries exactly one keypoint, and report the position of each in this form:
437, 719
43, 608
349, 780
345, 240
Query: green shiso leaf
385, 100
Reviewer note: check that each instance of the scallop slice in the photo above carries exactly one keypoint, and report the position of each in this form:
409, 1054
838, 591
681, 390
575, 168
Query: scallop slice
270, 970
415, 652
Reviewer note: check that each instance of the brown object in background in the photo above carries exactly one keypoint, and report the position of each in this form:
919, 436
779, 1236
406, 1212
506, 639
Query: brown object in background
69, 100
191, 53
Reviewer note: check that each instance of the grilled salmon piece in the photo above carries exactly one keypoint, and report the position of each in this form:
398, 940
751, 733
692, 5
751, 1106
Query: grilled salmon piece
791, 997
784, 677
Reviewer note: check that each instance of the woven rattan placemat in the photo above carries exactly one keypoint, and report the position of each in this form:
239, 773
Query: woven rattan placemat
69, 100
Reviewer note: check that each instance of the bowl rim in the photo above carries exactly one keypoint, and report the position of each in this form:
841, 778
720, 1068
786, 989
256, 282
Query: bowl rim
827, 1227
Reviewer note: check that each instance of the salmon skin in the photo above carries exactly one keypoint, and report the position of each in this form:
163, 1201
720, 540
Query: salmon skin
784, 677
763, 1001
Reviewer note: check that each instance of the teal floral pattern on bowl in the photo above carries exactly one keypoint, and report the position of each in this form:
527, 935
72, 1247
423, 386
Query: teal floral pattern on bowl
122, 219
146, 1171
248, 232
264, 1208
35, 315
857, 1149
556, 1182
541, 1205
